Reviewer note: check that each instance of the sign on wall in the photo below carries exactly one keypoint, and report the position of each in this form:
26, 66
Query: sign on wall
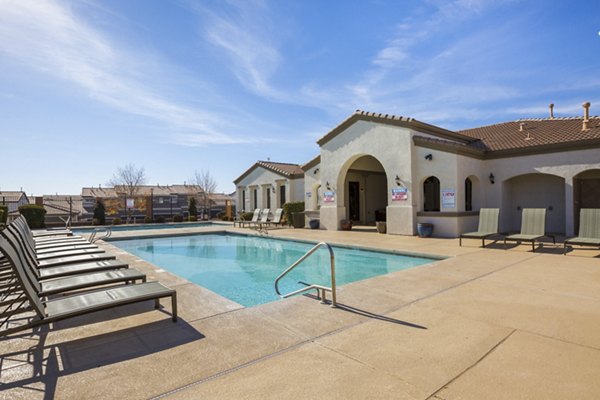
309, 194
130, 203
328, 197
448, 198
399, 194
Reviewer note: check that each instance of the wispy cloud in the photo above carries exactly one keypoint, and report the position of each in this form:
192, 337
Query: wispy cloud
50, 37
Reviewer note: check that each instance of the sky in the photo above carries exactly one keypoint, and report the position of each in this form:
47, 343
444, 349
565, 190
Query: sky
179, 86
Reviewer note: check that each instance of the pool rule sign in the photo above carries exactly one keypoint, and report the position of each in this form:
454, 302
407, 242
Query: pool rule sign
399, 194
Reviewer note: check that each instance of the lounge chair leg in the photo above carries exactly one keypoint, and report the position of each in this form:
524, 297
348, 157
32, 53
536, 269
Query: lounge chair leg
156, 304
482, 242
174, 306
460, 241
533, 246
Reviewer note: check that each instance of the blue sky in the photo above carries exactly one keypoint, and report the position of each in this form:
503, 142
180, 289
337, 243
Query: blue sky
178, 86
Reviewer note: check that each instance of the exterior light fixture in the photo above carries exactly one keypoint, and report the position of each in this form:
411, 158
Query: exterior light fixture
429, 157
316, 171
273, 188
328, 186
492, 178
398, 181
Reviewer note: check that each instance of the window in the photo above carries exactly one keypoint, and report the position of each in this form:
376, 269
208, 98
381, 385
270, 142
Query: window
431, 194
468, 195
281, 195
243, 205
255, 197
268, 194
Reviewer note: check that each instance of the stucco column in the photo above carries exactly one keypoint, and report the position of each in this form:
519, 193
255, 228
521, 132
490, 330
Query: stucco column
569, 207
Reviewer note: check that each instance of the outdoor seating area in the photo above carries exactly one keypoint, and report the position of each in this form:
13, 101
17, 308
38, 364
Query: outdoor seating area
261, 219
63, 276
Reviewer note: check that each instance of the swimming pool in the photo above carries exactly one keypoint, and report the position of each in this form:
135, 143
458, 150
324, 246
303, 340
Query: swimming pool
145, 227
243, 268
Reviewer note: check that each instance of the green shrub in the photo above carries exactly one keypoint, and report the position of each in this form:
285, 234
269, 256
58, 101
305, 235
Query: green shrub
193, 218
99, 212
177, 218
247, 216
3, 214
34, 215
117, 221
293, 207
159, 219
193, 210
147, 220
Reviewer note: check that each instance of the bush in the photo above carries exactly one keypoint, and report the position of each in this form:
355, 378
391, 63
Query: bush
289, 208
192, 218
34, 215
159, 219
147, 220
193, 210
117, 221
3, 214
177, 218
247, 216
99, 213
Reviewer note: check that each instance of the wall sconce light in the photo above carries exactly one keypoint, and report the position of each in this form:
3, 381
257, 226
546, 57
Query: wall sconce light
273, 188
492, 178
398, 181
328, 186
429, 157
316, 171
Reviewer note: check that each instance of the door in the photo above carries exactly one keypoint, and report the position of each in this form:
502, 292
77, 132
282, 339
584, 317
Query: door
353, 201
587, 195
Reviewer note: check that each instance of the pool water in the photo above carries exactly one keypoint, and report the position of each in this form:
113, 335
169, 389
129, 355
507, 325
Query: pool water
243, 268
145, 227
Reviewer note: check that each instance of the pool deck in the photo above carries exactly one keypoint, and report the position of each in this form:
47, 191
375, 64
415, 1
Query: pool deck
481, 324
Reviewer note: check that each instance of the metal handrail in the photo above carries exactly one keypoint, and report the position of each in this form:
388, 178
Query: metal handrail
94, 239
319, 288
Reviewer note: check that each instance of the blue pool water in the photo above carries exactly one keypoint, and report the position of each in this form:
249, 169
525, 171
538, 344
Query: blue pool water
146, 227
244, 268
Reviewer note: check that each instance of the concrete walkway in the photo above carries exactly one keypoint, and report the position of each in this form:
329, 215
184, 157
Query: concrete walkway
481, 324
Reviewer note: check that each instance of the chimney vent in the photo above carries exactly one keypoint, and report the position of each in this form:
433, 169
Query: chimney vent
551, 110
586, 116
522, 126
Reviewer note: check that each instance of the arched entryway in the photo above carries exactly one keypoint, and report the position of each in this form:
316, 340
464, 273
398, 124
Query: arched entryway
365, 191
533, 191
586, 192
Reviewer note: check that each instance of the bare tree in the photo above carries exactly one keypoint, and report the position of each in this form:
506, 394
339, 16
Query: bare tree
128, 180
208, 185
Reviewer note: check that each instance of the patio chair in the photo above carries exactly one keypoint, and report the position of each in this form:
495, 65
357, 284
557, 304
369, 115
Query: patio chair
43, 248
277, 216
48, 242
533, 227
264, 219
48, 311
254, 219
83, 280
589, 229
488, 226
63, 270
44, 232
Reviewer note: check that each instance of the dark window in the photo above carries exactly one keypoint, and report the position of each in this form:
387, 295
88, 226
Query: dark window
281, 195
255, 196
468, 195
268, 194
431, 194
243, 205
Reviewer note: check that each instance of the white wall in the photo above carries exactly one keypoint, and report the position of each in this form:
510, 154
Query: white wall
265, 180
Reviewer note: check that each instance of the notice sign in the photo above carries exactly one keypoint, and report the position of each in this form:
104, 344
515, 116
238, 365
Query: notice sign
309, 194
448, 198
399, 194
328, 197
130, 203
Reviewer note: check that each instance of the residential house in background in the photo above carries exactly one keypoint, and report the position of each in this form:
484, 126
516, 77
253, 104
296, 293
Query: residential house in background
269, 184
14, 200
59, 208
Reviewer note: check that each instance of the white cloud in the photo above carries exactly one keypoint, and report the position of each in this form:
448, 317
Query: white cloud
49, 37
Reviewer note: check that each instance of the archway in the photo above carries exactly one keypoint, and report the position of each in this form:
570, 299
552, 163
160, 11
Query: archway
365, 190
533, 191
586, 192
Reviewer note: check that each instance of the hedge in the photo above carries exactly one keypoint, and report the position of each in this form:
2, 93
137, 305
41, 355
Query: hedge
294, 207
3, 214
34, 215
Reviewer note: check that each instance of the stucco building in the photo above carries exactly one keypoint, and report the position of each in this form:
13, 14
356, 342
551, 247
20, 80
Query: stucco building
385, 167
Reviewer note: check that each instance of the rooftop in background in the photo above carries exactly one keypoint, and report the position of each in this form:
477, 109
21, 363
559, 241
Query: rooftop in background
287, 170
144, 190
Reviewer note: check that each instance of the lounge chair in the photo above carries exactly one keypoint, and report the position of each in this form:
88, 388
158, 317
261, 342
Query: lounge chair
70, 306
488, 226
589, 229
264, 219
277, 216
254, 219
50, 272
533, 227
76, 282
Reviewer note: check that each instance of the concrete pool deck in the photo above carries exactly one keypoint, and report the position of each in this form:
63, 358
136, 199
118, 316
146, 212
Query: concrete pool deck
481, 324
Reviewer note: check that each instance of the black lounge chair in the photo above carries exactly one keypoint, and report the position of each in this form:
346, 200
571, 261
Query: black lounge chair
589, 229
488, 226
47, 311
70, 283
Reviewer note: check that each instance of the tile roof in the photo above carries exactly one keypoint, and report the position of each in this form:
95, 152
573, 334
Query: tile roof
61, 204
537, 132
145, 190
11, 195
287, 170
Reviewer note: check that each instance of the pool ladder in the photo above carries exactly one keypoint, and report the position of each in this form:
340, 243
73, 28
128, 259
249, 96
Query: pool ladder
94, 239
321, 290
